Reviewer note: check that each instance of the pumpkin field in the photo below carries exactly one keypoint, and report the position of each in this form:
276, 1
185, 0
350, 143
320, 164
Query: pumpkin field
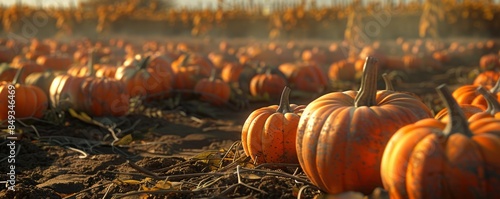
290, 99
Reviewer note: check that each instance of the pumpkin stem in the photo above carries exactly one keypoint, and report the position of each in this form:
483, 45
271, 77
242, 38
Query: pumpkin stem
17, 78
213, 73
388, 83
457, 123
493, 104
368, 90
284, 106
496, 88
144, 63
185, 59
90, 63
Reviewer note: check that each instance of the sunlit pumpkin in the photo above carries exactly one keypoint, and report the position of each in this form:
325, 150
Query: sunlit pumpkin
342, 135
432, 159
268, 134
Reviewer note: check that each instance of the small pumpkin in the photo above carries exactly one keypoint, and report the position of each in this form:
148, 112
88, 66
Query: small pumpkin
267, 84
6, 54
104, 97
7, 72
343, 70
492, 109
143, 81
55, 61
432, 159
489, 62
304, 76
487, 78
341, 135
480, 101
26, 101
268, 134
213, 90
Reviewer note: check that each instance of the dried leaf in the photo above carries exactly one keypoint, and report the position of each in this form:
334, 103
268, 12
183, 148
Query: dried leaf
127, 182
125, 140
251, 176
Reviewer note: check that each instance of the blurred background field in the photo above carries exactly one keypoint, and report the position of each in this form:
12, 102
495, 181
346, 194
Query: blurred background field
274, 19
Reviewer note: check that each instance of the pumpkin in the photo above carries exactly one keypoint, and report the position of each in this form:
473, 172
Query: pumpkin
492, 108
6, 54
343, 70
65, 92
432, 159
268, 134
42, 80
55, 62
267, 84
412, 62
489, 62
487, 78
106, 70
188, 69
29, 67
341, 135
304, 76
85, 70
213, 90
388, 82
7, 72
26, 101
104, 97
467, 109
231, 72
480, 101
145, 82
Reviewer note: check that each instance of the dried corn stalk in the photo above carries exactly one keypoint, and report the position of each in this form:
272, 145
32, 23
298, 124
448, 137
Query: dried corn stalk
354, 23
432, 14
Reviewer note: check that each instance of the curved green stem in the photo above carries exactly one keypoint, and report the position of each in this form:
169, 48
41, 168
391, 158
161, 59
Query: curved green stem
496, 88
284, 106
17, 77
213, 73
388, 83
458, 122
493, 104
368, 90
144, 63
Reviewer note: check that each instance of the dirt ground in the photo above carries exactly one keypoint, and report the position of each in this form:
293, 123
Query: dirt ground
176, 149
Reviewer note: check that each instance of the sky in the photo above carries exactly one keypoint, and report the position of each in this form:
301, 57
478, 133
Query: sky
181, 3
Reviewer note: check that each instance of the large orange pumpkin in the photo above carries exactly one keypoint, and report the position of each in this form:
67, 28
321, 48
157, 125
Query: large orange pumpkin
268, 134
342, 135
21, 101
431, 159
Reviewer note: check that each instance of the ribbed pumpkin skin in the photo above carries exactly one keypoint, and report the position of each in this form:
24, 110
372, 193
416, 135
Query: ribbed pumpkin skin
66, 90
270, 84
30, 101
417, 163
105, 97
269, 136
339, 146
213, 91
